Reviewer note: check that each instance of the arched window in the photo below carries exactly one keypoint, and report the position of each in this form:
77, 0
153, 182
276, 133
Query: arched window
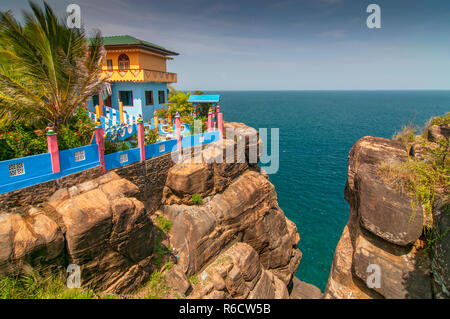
124, 62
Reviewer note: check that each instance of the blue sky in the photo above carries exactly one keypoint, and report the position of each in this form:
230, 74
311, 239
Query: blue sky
286, 44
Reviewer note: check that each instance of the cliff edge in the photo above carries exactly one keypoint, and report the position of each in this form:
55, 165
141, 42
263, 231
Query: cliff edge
196, 229
395, 244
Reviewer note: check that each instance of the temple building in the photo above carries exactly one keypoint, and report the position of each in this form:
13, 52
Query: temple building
137, 75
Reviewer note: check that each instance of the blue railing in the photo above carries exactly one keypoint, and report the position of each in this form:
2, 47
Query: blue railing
122, 158
31, 170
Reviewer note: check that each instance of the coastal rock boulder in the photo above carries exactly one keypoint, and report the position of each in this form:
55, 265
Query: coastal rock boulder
238, 273
385, 211
246, 211
108, 234
303, 290
441, 256
33, 241
403, 274
383, 232
438, 132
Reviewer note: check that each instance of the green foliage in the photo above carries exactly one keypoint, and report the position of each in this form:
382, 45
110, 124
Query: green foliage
406, 135
157, 287
159, 250
168, 265
441, 120
35, 286
119, 146
47, 70
21, 140
178, 101
190, 121
164, 223
151, 137
194, 279
197, 199
77, 132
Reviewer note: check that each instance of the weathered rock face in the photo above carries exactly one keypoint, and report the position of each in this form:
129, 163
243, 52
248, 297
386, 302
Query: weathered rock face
441, 257
238, 273
383, 231
107, 233
240, 205
34, 241
438, 132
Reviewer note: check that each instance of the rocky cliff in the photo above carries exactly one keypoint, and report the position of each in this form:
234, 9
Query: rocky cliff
390, 230
232, 242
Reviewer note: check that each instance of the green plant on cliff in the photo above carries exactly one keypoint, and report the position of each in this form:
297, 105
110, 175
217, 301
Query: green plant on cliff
156, 287
35, 286
163, 223
441, 120
406, 135
197, 199
159, 250
423, 178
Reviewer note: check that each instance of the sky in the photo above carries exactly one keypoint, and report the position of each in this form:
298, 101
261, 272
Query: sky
285, 44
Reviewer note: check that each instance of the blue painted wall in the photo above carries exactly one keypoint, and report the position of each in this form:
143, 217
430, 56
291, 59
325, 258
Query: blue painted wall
138, 89
38, 168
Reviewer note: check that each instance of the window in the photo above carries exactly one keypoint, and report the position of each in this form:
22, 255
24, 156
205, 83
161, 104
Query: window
161, 97
95, 100
16, 169
126, 97
124, 158
80, 156
109, 63
124, 62
148, 97
162, 148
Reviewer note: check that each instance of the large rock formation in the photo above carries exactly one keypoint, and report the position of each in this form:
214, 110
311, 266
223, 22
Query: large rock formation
240, 205
238, 241
383, 232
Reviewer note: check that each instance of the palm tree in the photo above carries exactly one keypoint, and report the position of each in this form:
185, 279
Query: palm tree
47, 70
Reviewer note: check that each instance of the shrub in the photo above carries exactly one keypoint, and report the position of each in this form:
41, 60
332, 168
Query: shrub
22, 141
151, 136
164, 223
157, 287
441, 120
36, 286
406, 135
197, 199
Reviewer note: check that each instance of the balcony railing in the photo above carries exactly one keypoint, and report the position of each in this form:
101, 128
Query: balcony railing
139, 75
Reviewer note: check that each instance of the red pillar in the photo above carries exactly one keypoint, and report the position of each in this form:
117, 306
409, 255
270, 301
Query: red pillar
141, 137
52, 145
99, 139
220, 124
178, 130
210, 120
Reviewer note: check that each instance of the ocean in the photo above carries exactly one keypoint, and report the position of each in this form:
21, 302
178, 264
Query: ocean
317, 130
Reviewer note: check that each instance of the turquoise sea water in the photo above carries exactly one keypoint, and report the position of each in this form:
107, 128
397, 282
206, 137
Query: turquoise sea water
317, 130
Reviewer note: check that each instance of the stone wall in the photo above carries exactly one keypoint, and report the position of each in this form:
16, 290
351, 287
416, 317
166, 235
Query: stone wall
149, 176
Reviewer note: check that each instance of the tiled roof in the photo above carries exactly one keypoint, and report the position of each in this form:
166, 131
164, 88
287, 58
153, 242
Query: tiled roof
129, 40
